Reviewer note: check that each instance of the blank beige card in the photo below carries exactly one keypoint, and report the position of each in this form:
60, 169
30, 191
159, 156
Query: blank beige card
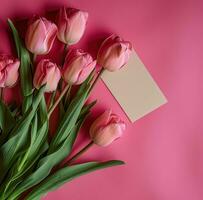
134, 89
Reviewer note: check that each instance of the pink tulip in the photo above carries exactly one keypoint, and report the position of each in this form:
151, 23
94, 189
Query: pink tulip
77, 67
106, 128
114, 53
8, 70
40, 36
47, 73
71, 25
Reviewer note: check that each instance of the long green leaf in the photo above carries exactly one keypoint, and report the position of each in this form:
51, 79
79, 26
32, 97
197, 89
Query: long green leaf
7, 121
73, 135
35, 149
15, 172
25, 68
41, 134
86, 108
46, 164
62, 147
19, 136
71, 116
17, 179
67, 174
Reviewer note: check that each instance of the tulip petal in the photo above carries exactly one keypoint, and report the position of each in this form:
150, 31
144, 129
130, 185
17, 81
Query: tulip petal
101, 121
53, 79
2, 79
77, 27
50, 37
12, 74
85, 72
71, 25
40, 36
114, 53
78, 65
8, 70
35, 37
108, 134
46, 73
72, 72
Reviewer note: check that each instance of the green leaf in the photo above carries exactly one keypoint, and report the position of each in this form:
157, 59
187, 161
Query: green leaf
68, 121
27, 102
38, 142
86, 82
47, 163
7, 121
16, 179
83, 115
71, 116
25, 68
15, 37
86, 108
19, 136
63, 147
67, 174
39, 130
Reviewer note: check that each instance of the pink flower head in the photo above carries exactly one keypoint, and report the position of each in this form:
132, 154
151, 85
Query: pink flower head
40, 36
8, 70
71, 25
114, 53
47, 73
106, 128
77, 67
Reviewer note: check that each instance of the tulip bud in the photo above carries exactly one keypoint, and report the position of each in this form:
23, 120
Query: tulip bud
71, 25
114, 53
8, 70
47, 73
40, 36
77, 67
106, 128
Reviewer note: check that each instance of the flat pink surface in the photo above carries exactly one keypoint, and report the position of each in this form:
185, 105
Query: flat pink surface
164, 150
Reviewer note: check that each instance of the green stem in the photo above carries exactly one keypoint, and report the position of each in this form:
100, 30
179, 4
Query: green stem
58, 100
81, 152
67, 97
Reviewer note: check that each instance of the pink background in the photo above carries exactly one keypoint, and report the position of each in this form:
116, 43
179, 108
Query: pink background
164, 150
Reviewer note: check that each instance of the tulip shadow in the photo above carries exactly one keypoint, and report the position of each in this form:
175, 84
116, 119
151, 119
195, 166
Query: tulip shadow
94, 39
91, 118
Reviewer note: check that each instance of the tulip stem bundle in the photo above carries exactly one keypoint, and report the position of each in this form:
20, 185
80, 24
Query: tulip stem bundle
68, 96
30, 158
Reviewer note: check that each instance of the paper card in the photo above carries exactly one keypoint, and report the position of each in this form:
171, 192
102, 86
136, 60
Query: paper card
134, 89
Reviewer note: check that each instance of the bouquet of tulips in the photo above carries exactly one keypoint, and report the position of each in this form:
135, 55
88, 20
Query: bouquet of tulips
31, 161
